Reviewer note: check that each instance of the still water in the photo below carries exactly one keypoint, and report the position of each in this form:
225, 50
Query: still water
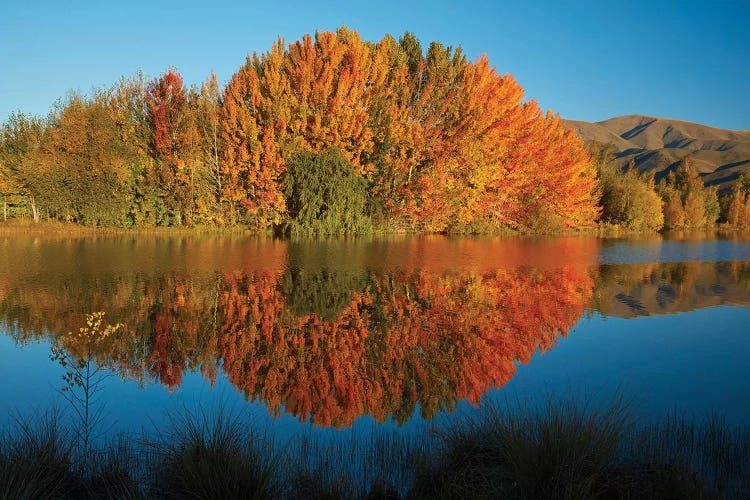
380, 333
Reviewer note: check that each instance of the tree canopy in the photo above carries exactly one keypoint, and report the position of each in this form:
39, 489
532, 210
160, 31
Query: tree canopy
435, 142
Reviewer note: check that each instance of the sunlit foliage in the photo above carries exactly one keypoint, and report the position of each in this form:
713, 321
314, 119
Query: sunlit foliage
628, 198
437, 143
688, 203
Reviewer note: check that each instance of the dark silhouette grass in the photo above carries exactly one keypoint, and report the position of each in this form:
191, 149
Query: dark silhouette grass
563, 449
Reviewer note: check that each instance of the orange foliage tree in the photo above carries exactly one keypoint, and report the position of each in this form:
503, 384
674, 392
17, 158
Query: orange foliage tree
444, 144
173, 141
441, 143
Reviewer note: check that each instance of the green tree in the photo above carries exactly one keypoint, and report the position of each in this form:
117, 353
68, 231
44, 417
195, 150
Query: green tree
20, 137
712, 206
323, 292
324, 195
128, 110
84, 174
411, 46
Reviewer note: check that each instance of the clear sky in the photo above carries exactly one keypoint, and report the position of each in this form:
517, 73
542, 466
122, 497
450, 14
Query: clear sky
592, 60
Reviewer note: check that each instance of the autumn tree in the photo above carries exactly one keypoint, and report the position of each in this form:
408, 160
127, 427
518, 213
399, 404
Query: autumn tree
736, 204
173, 142
738, 211
674, 212
444, 144
83, 146
439, 142
251, 187
628, 199
72, 167
208, 117
21, 137
688, 203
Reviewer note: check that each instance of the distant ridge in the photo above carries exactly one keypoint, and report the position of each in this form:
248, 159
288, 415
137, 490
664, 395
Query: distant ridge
658, 144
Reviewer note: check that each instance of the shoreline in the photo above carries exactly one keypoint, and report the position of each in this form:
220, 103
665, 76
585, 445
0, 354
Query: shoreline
15, 227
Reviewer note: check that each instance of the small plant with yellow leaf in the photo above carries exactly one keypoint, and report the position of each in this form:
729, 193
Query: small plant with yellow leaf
84, 374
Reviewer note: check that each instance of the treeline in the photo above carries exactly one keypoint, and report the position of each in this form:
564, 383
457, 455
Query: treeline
334, 135
389, 134
634, 201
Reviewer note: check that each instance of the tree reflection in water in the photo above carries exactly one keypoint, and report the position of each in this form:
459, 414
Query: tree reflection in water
330, 346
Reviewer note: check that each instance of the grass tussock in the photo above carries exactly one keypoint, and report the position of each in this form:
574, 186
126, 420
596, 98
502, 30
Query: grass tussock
676, 454
35, 461
563, 449
39, 460
570, 449
208, 456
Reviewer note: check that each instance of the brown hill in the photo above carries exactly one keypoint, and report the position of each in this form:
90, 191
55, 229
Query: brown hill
658, 144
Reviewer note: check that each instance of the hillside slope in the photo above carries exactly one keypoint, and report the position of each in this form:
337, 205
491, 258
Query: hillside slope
658, 144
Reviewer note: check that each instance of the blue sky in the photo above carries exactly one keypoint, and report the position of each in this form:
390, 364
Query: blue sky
688, 59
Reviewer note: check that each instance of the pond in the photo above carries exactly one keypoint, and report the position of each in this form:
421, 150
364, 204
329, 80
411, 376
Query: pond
382, 333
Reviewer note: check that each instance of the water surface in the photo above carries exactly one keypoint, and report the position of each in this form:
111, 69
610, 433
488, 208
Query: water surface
389, 332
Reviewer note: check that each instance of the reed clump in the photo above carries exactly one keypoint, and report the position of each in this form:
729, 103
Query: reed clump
561, 449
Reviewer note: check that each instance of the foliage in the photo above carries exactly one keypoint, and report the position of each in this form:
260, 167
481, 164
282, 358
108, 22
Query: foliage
633, 201
435, 142
688, 203
349, 344
173, 141
91, 183
208, 116
385, 344
628, 198
20, 138
737, 204
84, 375
331, 346
324, 196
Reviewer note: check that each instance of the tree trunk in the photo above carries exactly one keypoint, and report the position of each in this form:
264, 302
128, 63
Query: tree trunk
5, 210
34, 210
